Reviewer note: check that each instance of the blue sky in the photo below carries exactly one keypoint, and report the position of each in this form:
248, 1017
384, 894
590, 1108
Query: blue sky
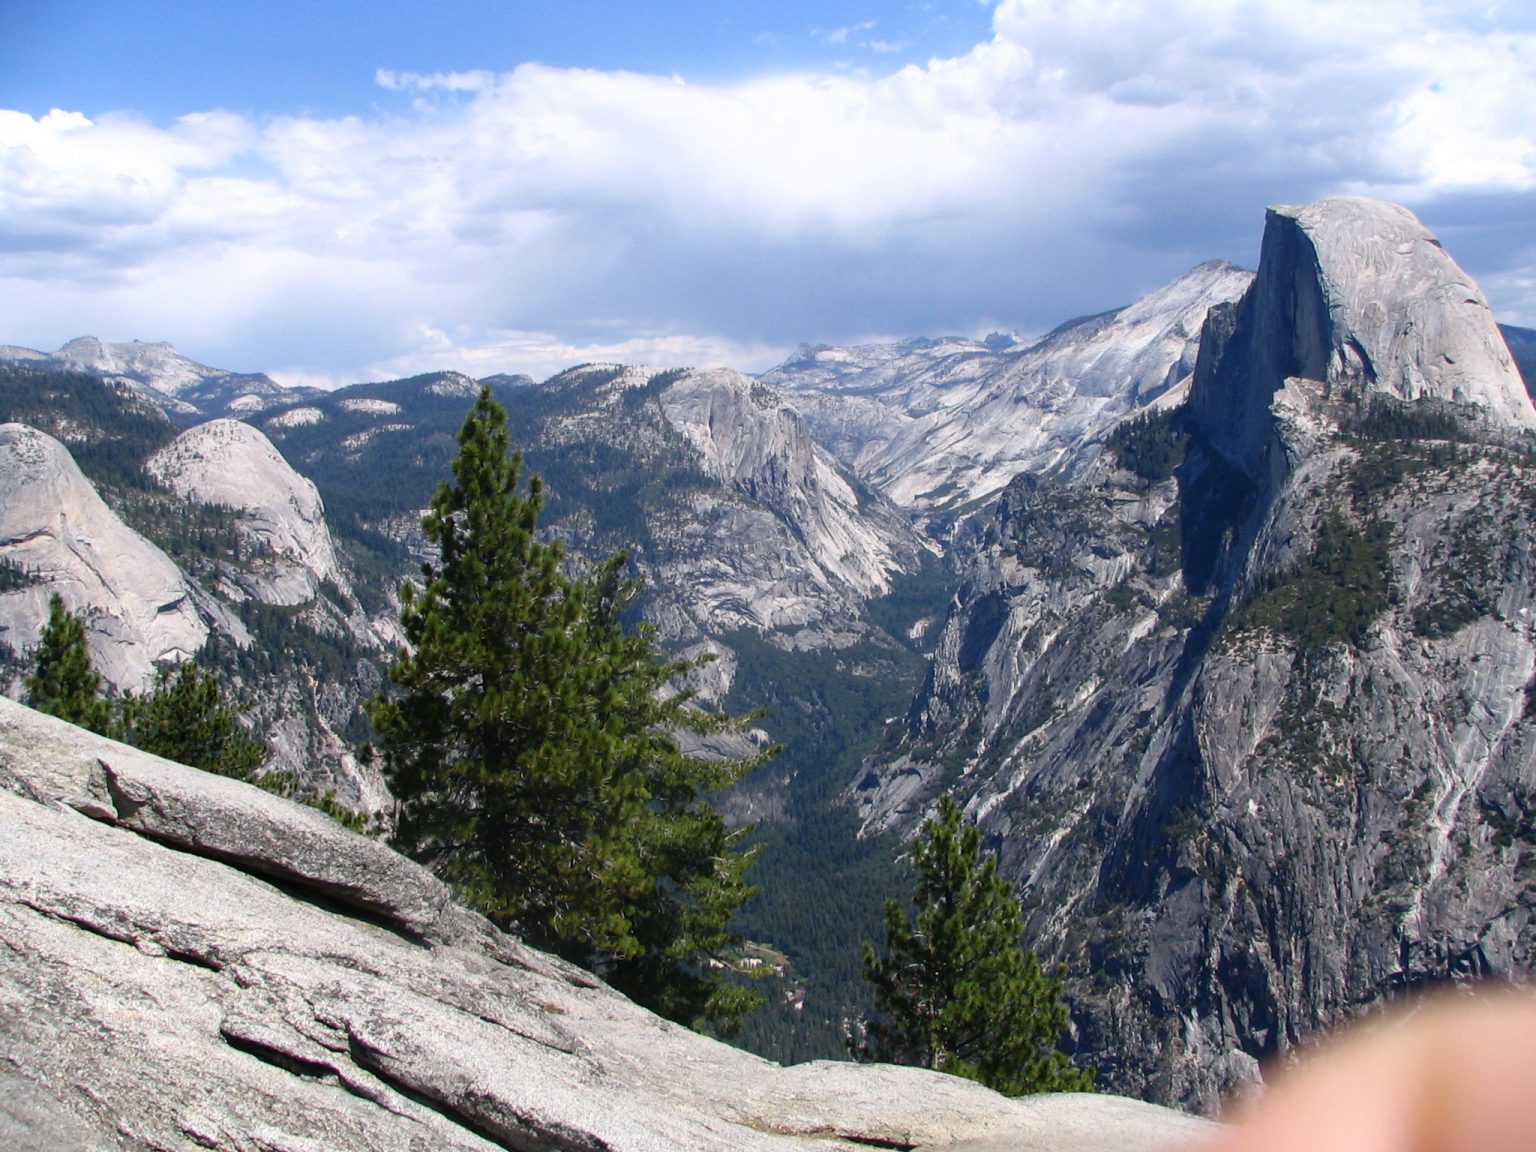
164, 59
333, 192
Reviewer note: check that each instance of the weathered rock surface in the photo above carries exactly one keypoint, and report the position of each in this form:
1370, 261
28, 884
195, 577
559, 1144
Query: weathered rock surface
190, 963
747, 436
1255, 738
943, 424
282, 519
1358, 296
137, 607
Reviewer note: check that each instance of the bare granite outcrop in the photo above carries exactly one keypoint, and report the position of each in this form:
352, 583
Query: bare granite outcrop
58, 534
281, 518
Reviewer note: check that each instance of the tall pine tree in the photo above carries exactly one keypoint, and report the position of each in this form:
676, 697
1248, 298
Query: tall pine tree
534, 753
955, 991
64, 683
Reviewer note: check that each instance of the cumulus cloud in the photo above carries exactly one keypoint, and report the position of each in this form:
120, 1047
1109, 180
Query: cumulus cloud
1085, 152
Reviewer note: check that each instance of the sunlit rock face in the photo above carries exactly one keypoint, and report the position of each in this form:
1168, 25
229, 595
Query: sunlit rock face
1255, 737
56, 532
939, 425
748, 437
1357, 296
280, 515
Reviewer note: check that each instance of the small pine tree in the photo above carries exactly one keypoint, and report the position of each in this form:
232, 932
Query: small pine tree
956, 991
184, 718
535, 760
64, 683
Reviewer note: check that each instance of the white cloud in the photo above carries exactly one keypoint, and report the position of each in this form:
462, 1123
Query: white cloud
843, 35
1086, 151
475, 81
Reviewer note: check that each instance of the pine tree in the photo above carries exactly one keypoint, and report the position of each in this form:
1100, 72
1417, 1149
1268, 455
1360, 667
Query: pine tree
535, 758
696, 866
64, 683
956, 991
185, 719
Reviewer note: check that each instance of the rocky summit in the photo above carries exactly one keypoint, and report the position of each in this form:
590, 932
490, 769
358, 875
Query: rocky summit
189, 962
1246, 704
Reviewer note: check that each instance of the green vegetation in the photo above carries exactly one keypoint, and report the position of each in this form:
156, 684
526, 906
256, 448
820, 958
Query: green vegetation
63, 682
920, 596
1334, 595
955, 990
15, 576
536, 759
184, 718
1151, 446
108, 430
1464, 581
822, 884
1386, 420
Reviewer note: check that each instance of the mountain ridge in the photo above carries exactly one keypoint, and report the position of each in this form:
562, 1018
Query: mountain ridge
1201, 588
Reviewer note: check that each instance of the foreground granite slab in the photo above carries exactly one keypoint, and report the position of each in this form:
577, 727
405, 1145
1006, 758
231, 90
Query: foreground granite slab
189, 963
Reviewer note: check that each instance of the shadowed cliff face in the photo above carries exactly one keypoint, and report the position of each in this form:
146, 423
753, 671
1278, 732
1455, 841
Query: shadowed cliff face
1252, 737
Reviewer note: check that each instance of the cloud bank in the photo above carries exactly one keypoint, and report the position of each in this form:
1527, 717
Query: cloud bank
529, 220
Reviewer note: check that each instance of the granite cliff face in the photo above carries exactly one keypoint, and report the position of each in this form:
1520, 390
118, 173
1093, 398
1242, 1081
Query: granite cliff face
1356, 295
229, 464
58, 536
190, 962
1252, 736
839, 546
943, 425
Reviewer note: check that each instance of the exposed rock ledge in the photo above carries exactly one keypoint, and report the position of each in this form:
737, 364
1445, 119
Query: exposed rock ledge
190, 963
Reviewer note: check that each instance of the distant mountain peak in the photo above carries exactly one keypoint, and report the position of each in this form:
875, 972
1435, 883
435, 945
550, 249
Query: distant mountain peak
184, 389
944, 424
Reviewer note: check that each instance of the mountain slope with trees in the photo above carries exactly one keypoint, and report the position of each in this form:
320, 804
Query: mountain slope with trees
533, 749
1245, 705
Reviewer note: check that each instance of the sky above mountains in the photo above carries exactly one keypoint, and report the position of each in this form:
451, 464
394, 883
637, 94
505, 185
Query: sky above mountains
351, 191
